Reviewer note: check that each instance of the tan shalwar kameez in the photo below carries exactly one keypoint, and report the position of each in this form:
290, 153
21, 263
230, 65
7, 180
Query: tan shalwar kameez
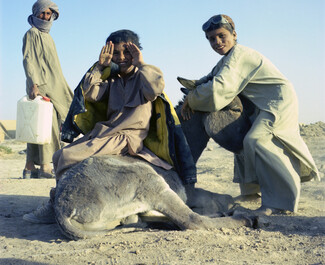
128, 116
274, 154
42, 67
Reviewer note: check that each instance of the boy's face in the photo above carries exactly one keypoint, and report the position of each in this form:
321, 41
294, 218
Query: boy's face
221, 40
123, 58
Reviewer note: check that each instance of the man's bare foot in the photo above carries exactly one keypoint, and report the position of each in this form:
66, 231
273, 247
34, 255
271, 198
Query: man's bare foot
264, 210
30, 166
46, 168
249, 197
46, 171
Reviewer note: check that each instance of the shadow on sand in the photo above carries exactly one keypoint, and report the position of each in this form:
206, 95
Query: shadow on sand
13, 207
294, 225
12, 225
20, 262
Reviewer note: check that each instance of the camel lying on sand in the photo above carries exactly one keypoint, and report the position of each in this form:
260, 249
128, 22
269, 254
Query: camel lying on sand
104, 192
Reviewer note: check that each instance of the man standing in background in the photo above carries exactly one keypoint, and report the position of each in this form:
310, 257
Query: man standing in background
44, 77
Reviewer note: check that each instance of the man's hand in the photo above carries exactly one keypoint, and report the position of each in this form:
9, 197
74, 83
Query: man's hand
33, 92
106, 54
135, 53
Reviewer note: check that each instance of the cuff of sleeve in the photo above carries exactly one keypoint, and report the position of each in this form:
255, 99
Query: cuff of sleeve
97, 72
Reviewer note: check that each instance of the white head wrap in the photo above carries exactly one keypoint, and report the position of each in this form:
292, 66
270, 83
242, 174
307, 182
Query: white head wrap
39, 7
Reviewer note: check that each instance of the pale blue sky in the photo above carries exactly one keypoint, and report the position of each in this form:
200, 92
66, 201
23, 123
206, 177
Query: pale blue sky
291, 33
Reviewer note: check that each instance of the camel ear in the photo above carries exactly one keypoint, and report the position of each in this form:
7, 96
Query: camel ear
189, 84
184, 90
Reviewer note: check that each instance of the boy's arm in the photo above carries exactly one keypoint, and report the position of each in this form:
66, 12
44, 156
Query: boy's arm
152, 81
94, 87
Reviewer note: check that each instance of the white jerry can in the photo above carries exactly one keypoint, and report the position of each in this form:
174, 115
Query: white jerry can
34, 120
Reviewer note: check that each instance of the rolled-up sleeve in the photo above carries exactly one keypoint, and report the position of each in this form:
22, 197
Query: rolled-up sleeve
95, 89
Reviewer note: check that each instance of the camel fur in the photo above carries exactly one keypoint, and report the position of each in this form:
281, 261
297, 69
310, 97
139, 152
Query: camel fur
104, 192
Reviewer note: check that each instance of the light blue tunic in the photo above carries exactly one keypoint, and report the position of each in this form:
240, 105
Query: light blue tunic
275, 155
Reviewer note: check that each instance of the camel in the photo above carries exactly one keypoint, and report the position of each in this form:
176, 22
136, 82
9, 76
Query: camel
104, 192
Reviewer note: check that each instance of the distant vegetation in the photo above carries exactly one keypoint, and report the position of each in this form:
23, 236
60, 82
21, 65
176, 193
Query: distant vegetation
5, 150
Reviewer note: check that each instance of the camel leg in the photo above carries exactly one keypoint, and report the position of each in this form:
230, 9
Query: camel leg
208, 203
172, 206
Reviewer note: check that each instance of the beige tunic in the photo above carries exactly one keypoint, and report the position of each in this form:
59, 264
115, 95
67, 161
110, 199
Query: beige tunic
42, 67
128, 116
275, 156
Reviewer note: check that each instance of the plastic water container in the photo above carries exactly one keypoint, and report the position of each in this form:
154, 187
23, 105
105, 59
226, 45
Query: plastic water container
34, 120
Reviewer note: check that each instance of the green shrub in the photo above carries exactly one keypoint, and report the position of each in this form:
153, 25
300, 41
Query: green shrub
5, 149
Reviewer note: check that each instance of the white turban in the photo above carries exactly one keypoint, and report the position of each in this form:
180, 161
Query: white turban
39, 7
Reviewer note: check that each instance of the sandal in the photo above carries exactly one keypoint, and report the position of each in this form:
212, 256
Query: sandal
27, 174
45, 175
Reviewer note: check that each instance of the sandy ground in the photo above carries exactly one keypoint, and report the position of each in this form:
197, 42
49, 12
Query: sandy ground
287, 239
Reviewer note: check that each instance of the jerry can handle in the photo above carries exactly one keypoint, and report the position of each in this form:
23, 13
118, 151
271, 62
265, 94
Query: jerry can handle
39, 97
46, 98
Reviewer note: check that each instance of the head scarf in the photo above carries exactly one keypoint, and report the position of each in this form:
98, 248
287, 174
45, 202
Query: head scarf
39, 7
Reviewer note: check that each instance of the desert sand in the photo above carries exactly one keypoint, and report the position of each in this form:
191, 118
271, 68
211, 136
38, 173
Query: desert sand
294, 238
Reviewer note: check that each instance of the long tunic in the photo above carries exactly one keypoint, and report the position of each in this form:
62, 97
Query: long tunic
128, 116
42, 67
275, 156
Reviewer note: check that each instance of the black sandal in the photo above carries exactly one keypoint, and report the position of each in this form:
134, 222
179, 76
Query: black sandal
27, 174
45, 175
